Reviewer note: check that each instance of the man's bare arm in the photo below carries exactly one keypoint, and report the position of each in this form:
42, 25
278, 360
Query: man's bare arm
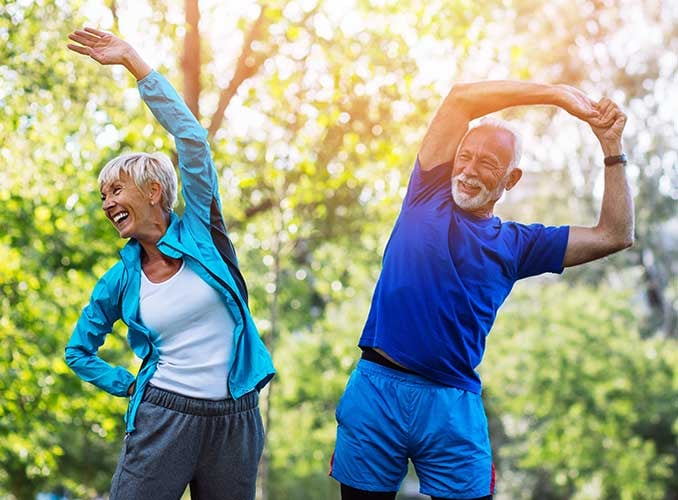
614, 230
467, 101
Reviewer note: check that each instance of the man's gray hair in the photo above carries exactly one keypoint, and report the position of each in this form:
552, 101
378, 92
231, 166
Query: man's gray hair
500, 124
144, 168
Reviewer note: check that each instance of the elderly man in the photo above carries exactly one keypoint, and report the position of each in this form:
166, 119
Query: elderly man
449, 265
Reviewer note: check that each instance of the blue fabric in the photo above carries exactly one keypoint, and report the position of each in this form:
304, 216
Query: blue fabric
445, 274
190, 237
386, 416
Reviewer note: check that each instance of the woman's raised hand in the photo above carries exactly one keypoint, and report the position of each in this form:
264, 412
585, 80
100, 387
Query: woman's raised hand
103, 47
106, 48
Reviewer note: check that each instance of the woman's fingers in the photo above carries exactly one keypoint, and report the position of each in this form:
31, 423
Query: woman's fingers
82, 40
96, 32
86, 35
79, 49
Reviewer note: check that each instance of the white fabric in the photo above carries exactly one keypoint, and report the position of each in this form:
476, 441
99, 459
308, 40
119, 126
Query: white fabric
195, 333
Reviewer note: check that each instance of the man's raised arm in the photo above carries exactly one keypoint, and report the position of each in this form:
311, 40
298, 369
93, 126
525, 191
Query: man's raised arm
614, 230
467, 101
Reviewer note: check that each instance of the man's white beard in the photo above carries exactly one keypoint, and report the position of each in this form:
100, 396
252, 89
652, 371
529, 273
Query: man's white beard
468, 202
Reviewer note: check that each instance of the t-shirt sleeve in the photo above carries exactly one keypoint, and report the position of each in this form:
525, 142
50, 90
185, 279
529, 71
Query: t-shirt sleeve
540, 249
425, 185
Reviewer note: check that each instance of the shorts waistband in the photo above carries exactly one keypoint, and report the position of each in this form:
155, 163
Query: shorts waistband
368, 366
200, 407
372, 355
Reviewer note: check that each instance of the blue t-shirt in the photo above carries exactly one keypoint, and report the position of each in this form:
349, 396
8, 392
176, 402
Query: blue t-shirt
445, 274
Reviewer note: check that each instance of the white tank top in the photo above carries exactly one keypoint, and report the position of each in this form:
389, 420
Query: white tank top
195, 331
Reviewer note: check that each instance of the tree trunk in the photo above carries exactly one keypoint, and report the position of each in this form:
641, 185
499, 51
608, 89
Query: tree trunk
113, 7
663, 317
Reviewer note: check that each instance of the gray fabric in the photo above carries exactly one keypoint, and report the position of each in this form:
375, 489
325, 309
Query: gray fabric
213, 446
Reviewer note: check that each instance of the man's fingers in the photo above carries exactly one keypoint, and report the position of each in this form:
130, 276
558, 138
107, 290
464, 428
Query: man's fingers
586, 105
610, 121
603, 105
605, 101
599, 122
592, 112
620, 120
610, 113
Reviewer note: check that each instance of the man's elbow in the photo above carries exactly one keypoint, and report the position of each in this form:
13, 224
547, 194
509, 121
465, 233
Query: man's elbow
607, 243
621, 242
626, 237
616, 236
626, 243
459, 95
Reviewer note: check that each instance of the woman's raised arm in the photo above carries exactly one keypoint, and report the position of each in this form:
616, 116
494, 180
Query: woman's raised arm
198, 175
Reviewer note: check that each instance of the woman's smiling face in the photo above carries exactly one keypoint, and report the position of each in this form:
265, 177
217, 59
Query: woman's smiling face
126, 206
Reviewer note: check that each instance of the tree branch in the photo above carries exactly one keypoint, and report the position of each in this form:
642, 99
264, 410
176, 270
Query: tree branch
113, 6
247, 65
190, 61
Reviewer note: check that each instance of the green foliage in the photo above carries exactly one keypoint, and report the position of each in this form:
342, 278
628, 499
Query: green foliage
587, 406
56, 132
313, 368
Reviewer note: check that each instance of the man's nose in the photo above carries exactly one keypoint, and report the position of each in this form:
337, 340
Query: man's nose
469, 168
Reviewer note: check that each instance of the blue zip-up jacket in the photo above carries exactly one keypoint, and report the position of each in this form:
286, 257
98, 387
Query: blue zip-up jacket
199, 238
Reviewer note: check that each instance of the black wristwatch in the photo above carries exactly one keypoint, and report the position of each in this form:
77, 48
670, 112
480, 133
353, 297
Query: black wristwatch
616, 159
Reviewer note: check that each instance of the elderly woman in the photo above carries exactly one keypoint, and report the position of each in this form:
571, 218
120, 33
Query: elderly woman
193, 416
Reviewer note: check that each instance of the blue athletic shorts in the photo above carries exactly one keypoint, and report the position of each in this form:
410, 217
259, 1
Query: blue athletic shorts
386, 417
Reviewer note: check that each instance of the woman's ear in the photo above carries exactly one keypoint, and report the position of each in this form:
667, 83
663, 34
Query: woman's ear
154, 192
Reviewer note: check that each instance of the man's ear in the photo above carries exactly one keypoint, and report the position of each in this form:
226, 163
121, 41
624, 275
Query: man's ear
514, 177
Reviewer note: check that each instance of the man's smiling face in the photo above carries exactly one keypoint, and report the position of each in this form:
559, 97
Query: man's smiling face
481, 168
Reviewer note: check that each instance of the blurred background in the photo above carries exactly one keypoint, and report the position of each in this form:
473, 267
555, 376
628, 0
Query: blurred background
315, 111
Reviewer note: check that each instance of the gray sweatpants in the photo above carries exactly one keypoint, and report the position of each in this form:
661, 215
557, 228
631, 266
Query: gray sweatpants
213, 446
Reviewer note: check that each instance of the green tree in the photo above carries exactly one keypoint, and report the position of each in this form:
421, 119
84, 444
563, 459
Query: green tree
52, 429
587, 407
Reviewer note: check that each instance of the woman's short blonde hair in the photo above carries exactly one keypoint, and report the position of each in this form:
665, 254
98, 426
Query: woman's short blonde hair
144, 168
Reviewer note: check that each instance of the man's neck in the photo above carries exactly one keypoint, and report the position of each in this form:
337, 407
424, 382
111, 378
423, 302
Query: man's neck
484, 212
